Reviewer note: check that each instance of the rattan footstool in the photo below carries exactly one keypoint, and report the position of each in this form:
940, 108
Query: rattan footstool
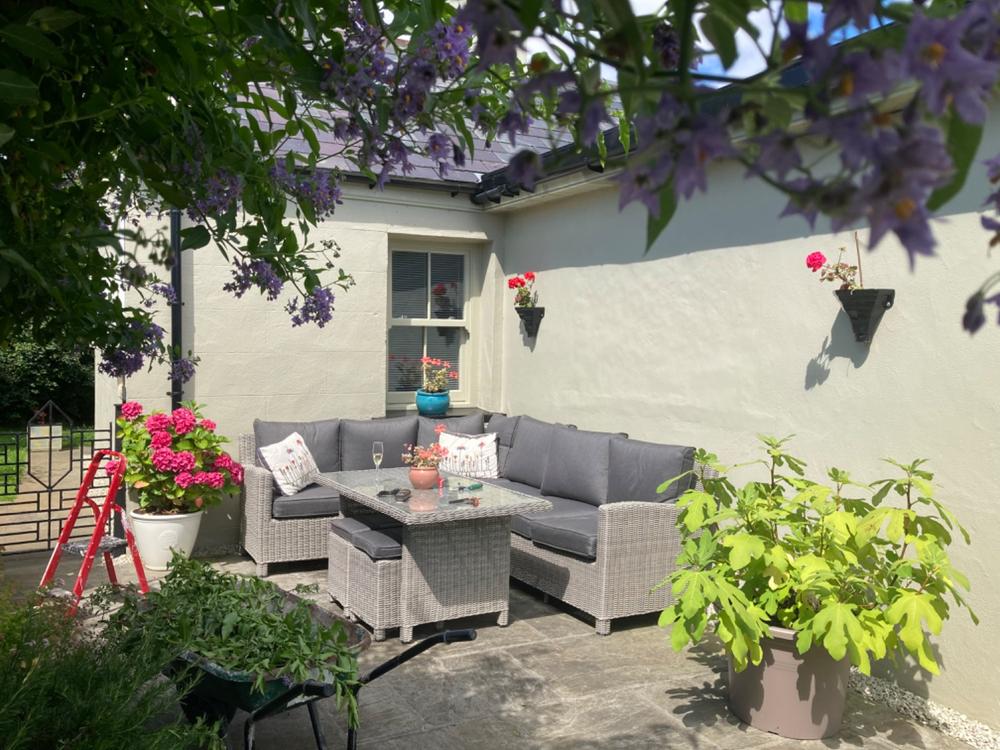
366, 588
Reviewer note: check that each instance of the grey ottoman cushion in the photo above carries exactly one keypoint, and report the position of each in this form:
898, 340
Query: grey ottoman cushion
576, 534
638, 468
505, 428
577, 465
357, 436
468, 424
530, 451
378, 544
312, 502
322, 438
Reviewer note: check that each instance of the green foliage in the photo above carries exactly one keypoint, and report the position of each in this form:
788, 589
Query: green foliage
838, 563
63, 688
32, 372
243, 624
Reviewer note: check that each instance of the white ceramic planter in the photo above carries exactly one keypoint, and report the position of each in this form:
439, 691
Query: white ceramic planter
158, 536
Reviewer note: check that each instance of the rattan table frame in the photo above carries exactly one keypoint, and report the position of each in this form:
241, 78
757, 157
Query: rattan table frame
456, 559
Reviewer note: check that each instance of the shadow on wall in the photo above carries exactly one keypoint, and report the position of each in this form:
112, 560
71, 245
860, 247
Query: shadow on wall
839, 343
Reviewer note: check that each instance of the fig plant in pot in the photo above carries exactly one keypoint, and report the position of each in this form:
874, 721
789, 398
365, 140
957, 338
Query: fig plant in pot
802, 579
175, 469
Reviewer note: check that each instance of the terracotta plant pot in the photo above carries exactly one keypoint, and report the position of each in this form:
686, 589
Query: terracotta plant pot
800, 697
424, 479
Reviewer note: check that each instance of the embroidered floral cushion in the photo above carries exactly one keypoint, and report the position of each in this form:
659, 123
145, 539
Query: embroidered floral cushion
470, 455
291, 463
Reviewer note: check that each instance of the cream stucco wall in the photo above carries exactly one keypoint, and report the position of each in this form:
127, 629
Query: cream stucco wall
721, 333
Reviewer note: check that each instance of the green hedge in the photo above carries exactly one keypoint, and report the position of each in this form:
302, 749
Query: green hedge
31, 373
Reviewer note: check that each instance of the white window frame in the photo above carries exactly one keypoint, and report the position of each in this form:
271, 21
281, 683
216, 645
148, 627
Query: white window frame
463, 395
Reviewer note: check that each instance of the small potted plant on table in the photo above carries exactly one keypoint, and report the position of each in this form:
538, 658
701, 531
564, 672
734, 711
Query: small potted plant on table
433, 399
801, 580
423, 463
175, 468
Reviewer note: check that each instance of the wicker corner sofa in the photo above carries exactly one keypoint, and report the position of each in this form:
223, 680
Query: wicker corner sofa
609, 538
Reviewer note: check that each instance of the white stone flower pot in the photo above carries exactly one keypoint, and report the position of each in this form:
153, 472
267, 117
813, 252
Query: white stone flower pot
158, 536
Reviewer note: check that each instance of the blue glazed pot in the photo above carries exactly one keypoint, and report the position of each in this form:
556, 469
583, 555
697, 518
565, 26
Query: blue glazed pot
433, 404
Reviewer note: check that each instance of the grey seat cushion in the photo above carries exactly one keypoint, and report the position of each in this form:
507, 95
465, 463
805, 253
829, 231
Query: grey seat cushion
378, 544
523, 525
530, 451
510, 484
577, 465
505, 428
357, 436
312, 502
322, 438
467, 424
638, 468
576, 534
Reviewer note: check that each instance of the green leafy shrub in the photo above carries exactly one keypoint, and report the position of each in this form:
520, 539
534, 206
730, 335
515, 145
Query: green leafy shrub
64, 687
240, 623
857, 575
32, 372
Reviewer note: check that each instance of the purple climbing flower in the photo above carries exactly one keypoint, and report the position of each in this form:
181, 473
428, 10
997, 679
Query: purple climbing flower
316, 307
704, 142
219, 195
947, 71
496, 26
642, 181
778, 154
525, 169
181, 370
839, 12
141, 339
258, 273
667, 46
512, 123
438, 147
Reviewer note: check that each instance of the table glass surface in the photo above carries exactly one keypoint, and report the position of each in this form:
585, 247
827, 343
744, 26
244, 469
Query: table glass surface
493, 500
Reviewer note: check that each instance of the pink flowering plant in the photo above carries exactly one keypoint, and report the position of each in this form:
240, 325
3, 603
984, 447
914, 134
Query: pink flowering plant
437, 373
175, 460
848, 276
419, 457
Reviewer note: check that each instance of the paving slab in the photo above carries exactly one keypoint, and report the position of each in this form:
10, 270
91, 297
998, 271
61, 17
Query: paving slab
545, 682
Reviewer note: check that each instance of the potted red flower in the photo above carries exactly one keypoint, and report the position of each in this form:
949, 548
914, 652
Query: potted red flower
423, 463
175, 469
526, 302
864, 307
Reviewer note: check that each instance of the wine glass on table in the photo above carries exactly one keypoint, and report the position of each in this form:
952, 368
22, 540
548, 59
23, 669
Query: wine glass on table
377, 452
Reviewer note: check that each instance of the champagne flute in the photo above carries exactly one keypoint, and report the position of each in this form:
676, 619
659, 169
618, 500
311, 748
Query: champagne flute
377, 452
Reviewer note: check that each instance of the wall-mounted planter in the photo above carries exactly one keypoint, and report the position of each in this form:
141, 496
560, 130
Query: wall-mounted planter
865, 308
531, 317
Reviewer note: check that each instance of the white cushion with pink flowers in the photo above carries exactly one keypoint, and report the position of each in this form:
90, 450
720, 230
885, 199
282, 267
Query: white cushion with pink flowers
470, 455
291, 463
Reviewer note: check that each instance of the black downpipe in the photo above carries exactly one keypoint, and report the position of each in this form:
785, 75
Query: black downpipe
176, 324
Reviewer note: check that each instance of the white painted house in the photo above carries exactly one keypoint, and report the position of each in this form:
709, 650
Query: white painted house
717, 334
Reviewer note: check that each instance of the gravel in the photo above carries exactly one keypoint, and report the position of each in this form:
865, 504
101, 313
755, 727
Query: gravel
945, 720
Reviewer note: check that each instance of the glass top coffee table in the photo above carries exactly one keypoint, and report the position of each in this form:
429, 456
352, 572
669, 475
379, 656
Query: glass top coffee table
456, 554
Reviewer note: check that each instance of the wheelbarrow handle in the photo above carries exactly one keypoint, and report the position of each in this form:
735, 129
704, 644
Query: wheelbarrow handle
448, 636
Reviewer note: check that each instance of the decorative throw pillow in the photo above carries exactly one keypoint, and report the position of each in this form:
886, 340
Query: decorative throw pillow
470, 455
291, 463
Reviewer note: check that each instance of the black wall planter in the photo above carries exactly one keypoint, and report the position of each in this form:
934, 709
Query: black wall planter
531, 317
865, 308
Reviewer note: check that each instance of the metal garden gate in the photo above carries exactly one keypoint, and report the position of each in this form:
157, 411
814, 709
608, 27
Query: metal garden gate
41, 469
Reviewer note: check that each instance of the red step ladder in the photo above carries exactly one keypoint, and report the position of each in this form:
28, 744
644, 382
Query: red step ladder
99, 541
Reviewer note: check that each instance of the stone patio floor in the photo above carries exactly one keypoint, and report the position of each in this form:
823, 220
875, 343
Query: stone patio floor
546, 681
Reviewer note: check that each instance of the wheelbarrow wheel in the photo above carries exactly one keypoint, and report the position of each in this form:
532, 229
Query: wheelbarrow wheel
208, 710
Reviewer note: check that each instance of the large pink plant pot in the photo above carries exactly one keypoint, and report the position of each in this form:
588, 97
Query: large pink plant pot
800, 697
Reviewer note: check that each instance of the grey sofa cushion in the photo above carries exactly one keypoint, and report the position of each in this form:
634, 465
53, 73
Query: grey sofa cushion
357, 436
467, 424
576, 534
638, 468
510, 484
577, 465
322, 438
312, 502
378, 544
505, 428
530, 451
523, 525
